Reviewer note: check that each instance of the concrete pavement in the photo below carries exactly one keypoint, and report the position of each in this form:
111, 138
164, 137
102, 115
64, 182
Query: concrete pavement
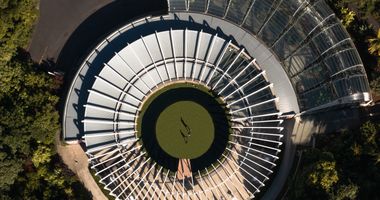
58, 19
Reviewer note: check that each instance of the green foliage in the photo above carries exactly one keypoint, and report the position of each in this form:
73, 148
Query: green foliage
28, 122
312, 180
27, 103
50, 180
41, 156
348, 16
9, 170
368, 140
374, 45
346, 192
53, 177
368, 8
28, 109
323, 175
375, 86
343, 166
17, 18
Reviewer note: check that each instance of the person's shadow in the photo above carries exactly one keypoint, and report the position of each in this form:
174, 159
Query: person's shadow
186, 133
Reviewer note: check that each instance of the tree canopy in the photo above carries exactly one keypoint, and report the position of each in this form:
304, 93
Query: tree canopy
16, 20
342, 166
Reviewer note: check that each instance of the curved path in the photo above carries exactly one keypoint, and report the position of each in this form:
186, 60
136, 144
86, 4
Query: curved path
76, 159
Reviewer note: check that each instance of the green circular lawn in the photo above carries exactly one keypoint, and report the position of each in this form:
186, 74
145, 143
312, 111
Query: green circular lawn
185, 130
183, 121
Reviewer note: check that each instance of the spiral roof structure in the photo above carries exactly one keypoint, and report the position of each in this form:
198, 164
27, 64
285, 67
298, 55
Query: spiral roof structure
244, 63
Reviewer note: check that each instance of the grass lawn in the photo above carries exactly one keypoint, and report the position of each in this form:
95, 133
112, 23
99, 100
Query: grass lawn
185, 130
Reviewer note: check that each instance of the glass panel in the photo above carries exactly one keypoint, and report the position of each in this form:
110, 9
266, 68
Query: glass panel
237, 68
322, 42
217, 7
307, 26
358, 84
313, 51
237, 10
328, 38
260, 96
297, 62
340, 87
259, 83
197, 5
258, 14
310, 78
227, 59
237, 65
177, 4
288, 43
279, 21
342, 60
317, 97
274, 27
296, 34
322, 9
247, 75
339, 33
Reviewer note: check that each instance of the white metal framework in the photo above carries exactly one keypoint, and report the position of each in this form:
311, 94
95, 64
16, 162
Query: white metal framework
195, 56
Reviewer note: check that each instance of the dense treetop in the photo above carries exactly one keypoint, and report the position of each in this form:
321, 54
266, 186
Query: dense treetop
16, 20
343, 165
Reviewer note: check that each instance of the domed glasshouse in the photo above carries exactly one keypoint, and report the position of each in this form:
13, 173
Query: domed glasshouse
196, 103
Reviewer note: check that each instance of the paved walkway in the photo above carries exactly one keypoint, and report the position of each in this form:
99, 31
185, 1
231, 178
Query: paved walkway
75, 158
58, 20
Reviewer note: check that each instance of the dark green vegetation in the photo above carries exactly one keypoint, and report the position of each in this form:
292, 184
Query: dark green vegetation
29, 166
343, 165
362, 20
164, 99
185, 130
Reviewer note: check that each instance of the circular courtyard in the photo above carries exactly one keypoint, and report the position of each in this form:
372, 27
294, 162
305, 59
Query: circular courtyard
183, 121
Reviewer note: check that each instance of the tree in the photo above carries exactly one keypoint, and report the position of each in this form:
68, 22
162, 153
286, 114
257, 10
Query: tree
346, 192
9, 170
41, 156
374, 45
323, 175
348, 16
16, 21
316, 176
375, 86
368, 139
27, 107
